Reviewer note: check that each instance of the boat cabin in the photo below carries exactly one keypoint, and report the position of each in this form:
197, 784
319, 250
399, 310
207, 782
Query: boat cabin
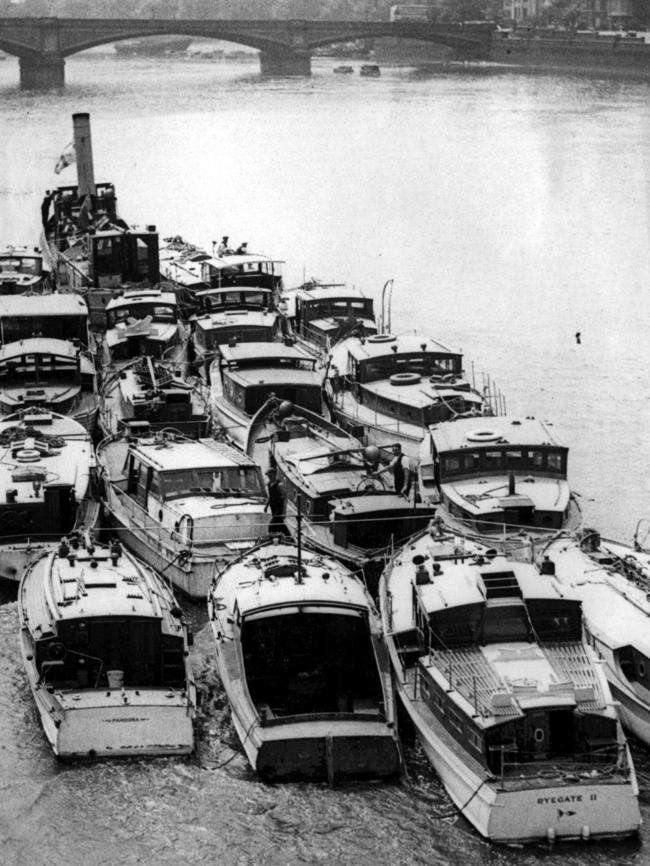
503, 666
415, 380
219, 300
28, 367
22, 271
59, 316
250, 269
142, 322
250, 373
507, 470
325, 313
66, 213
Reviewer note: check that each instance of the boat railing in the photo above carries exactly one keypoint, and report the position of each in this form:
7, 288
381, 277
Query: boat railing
603, 762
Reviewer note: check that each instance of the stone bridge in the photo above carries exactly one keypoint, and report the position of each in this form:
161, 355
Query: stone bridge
285, 46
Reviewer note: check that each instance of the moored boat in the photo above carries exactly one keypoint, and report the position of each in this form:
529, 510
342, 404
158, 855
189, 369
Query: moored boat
245, 375
59, 316
24, 270
322, 314
105, 652
388, 387
301, 658
612, 579
497, 477
335, 495
49, 373
145, 396
47, 469
507, 699
181, 505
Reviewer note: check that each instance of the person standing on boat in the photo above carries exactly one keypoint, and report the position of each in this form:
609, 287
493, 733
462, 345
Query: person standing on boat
242, 249
223, 249
401, 469
275, 502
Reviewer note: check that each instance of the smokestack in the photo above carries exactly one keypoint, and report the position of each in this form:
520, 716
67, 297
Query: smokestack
84, 154
511, 483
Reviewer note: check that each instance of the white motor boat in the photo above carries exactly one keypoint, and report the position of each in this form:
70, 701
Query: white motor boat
508, 700
105, 651
182, 505
301, 658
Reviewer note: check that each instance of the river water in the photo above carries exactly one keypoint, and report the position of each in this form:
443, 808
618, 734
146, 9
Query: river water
511, 212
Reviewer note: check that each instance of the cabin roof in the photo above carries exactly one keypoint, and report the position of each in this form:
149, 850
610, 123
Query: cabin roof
272, 351
142, 297
234, 260
168, 455
475, 433
331, 293
38, 346
377, 348
55, 304
80, 591
251, 318
222, 290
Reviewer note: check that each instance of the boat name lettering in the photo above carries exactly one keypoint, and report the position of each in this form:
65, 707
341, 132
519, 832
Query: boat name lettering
128, 719
568, 798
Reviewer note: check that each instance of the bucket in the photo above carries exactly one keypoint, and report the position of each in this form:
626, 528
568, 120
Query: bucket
115, 679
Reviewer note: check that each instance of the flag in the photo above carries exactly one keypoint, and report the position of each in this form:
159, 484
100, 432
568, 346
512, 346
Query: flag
67, 158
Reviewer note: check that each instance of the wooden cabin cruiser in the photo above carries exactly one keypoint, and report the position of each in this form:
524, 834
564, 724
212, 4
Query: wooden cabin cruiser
47, 467
182, 505
322, 314
245, 375
300, 656
182, 265
387, 388
57, 316
106, 654
24, 271
144, 322
97, 254
145, 396
508, 700
331, 497
612, 580
242, 315
246, 269
51, 374
494, 476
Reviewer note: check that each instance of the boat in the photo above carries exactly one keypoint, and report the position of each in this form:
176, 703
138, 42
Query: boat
106, 654
343, 70
47, 472
334, 497
153, 46
322, 314
145, 396
391, 388
143, 322
494, 477
612, 579
183, 265
555, 48
51, 374
243, 315
245, 375
300, 655
508, 700
369, 70
24, 270
181, 504
57, 316
96, 253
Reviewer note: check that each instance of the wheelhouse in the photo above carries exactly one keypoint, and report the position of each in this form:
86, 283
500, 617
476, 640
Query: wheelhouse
324, 314
218, 300
22, 270
60, 316
245, 270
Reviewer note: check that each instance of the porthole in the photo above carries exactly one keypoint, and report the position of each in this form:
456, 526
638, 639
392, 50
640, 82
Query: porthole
641, 669
539, 735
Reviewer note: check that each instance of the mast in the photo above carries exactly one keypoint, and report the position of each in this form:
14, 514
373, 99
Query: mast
84, 155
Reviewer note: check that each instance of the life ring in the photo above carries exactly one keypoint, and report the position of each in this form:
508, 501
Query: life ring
404, 378
27, 455
486, 435
381, 338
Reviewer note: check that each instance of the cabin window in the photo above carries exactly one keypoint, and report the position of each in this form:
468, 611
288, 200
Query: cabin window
554, 461
455, 721
505, 623
451, 465
536, 459
232, 480
493, 460
471, 461
514, 459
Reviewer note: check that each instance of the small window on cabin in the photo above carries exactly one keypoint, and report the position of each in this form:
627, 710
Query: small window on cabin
471, 461
142, 256
554, 461
163, 312
536, 459
154, 487
513, 459
257, 298
493, 460
502, 623
357, 305
451, 465
231, 298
